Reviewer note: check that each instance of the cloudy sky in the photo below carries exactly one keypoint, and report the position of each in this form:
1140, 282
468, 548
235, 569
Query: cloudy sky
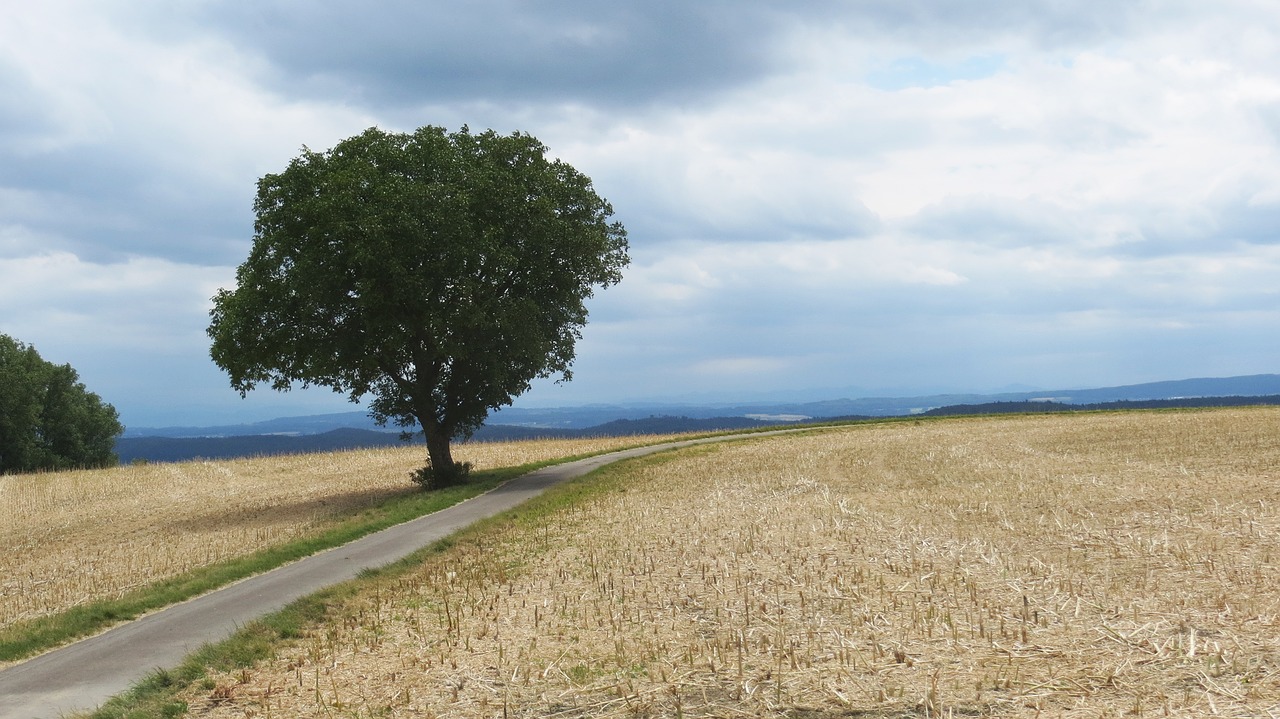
858, 198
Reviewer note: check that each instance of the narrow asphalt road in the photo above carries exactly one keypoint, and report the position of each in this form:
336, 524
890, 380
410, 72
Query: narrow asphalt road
81, 676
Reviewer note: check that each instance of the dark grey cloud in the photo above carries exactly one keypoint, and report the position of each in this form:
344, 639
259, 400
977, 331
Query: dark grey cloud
105, 202
393, 53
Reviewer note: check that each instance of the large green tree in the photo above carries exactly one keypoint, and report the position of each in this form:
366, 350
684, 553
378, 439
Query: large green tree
48, 420
438, 272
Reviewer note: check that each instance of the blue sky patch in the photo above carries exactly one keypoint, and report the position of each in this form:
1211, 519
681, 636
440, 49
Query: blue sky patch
917, 71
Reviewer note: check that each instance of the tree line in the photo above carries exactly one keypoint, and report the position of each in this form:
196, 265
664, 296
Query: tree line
48, 420
1036, 407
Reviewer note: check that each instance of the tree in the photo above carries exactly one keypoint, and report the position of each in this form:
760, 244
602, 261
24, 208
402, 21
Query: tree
439, 272
48, 420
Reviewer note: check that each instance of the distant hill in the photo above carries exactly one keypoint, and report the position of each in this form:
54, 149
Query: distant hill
1028, 407
177, 449
1253, 385
311, 424
350, 430
589, 416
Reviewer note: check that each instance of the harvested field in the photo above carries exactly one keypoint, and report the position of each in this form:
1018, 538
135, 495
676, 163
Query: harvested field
1100, 565
70, 537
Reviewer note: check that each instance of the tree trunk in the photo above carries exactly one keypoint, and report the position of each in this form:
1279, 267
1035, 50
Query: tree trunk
438, 450
441, 470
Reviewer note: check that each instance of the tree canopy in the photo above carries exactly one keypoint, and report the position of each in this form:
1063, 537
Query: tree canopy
48, 420
438, 272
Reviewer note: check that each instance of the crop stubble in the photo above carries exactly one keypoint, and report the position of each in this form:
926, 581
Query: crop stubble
71, 537
1094, 565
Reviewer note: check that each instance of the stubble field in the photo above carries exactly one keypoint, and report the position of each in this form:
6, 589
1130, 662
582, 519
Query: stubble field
1100, 565
73, 537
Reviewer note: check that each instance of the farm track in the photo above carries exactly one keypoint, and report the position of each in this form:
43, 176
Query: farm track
81, 676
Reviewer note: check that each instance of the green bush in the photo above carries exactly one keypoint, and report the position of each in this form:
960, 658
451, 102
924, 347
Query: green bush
438, 478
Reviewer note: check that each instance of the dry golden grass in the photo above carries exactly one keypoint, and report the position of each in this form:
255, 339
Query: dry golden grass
1060, 566
69, 537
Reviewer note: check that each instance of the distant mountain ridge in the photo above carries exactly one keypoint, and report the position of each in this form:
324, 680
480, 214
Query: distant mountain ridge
586, 416
1044, 406
353, 430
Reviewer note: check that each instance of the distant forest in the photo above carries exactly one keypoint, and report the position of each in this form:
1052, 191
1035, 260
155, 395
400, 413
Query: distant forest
169, 449
1037, 407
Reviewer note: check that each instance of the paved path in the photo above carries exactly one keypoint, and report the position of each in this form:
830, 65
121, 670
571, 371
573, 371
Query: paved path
80, 676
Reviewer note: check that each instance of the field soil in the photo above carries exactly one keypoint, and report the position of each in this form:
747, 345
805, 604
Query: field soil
1097, 565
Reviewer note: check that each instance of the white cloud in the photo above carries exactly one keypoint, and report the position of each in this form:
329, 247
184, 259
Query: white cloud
141, 134
144, 304
875, 193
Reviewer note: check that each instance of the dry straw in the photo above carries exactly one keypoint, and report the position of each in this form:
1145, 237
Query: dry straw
70, 537
1068, 566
